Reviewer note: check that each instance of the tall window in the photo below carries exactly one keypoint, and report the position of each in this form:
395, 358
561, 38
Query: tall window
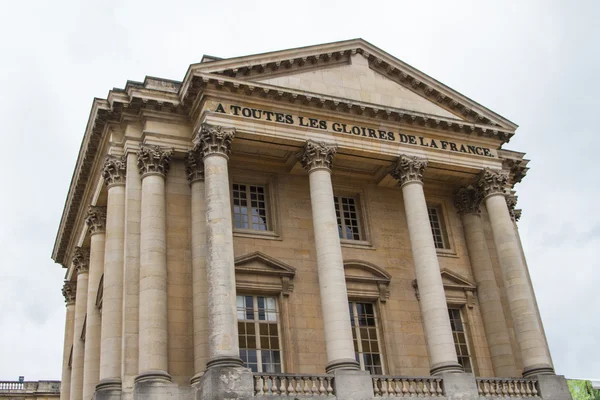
437, 227
460, 339
250, 207
365, 334
258, 333
347, 217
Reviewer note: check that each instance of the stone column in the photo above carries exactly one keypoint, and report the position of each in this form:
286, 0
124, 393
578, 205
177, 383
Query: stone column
467, 202
153, 165
316, 158
131, 277
214, 143
528, 330
68, 291
113, 173
81, 259
440, 344
96, 222
195, 174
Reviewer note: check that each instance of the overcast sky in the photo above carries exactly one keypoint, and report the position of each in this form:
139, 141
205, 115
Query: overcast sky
534, 62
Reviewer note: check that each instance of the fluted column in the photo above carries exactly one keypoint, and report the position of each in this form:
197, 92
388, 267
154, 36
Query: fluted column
81, 259
68, 291
467, 202
214, 143
528, 330
113, 173
195, 174
153, 164
96, 222
440, 344
316, 158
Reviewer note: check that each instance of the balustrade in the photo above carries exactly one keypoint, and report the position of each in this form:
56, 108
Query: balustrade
499, 387
402, 386
293, 385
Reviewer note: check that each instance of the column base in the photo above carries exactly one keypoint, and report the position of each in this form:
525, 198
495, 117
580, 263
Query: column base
446, 367
224, 362
342, 364
153, 376
538, 370
108, 389
553, 387
219, 383
196, 378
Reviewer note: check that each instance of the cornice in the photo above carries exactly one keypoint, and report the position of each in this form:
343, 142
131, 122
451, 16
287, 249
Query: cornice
205, 82
379, 60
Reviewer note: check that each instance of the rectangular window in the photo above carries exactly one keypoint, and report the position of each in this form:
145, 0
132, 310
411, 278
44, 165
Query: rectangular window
258, 332
250, 207
437, 227
365, 334
346, 212
460, 339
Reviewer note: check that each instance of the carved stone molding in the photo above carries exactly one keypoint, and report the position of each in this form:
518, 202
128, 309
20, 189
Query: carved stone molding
81, 259
214, 139
518, 214
114, 170
467, 200
154, 160
96, 219
317, 155
366, 280
409, 169
511, 203
194, 166
68, 290
492, 181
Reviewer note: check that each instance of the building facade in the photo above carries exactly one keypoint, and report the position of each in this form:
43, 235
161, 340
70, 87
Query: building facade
325, 220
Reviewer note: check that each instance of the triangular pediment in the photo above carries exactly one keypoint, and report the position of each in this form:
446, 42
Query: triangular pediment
262, 264
451, 279
354, 70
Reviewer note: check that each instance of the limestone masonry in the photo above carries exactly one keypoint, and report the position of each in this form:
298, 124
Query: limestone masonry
322, 221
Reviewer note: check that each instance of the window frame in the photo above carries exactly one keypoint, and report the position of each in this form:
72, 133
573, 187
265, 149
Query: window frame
447, 229
467, 333
269, 183
378, 330
257, 322
362, 215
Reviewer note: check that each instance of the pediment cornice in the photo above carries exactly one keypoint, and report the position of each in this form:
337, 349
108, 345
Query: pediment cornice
264, 91
331, 53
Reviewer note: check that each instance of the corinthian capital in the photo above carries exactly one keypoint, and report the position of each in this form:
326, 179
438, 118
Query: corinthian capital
511, 203
154, 160
214, 139
467, 200
194, 166
317, 155
81, 259
114, 170
96, 219
68, 290
409, 169
492, 181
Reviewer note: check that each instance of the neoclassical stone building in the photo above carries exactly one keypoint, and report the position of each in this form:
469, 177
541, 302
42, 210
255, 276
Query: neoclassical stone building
321, 221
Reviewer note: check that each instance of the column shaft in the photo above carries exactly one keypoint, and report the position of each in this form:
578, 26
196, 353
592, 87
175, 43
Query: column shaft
153, 337
131, 275
78, 344
488, 294
442, 353
112, 303
222, 317
332, 281
93, 321
199, 285
69, 293
534, 352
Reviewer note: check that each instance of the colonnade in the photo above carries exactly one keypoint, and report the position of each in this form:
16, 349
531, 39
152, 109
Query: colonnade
98, 364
